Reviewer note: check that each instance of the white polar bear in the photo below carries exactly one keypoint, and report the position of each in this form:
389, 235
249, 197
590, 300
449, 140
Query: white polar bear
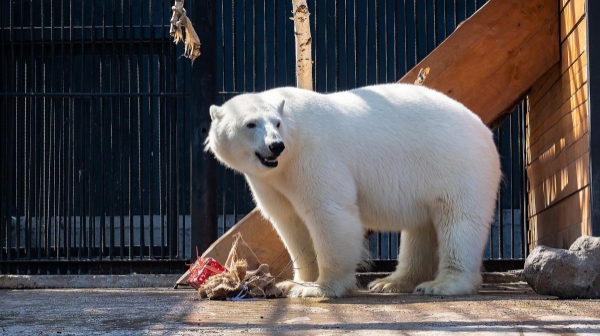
323, 168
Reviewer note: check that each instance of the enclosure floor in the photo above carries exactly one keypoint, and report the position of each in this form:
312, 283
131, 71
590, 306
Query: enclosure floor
498, 310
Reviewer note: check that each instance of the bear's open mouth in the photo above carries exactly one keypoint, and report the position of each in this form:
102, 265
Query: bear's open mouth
270, 161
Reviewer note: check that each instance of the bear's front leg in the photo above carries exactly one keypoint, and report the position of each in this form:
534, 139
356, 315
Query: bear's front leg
337, 236
290, 228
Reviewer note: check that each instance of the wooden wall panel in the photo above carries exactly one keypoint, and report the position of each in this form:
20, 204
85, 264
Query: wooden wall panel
557, 141
572, 13
570, 211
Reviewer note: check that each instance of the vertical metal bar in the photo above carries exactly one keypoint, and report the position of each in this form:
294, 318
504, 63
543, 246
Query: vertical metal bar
416, 28
58, 125
182, 173
102, 72
151, 134
378, 245
171, 195
174, 182
224, 192
168, 164
48, 126
113, 106
264, 40
434, 18
593, 49
253, 55
72, 214
28, 146
5, 126
524, 191
332, 36
120, 117
512, 190
173, 191
92, 178
203, 165
245, 61
455, 16
341, 79
500, 209
83, 169
72, 225
491, 240
27, 176
522, 172
129, 125
161, 113
140, 139
48, 87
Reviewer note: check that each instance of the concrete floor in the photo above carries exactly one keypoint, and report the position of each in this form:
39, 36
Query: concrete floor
499, 309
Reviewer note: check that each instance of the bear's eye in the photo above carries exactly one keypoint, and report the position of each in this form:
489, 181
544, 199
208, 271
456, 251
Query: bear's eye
278, 124
251, 125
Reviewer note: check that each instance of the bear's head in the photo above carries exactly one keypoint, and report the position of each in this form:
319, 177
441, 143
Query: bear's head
247, 133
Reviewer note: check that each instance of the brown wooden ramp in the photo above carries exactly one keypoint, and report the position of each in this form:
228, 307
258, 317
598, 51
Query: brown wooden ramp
488, 64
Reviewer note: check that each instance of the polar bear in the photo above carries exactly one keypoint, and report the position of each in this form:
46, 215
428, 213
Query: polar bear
324, 168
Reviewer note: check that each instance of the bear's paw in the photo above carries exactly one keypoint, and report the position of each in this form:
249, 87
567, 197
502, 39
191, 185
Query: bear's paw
391, 285
315, 290
460, 286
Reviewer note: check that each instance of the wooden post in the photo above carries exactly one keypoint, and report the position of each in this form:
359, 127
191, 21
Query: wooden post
304, 78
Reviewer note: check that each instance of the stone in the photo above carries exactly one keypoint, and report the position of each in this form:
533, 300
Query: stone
568, 274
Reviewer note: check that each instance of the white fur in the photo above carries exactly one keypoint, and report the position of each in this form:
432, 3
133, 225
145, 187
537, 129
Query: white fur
387, 158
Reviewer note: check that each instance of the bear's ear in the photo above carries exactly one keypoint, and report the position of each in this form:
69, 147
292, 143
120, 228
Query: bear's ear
215, 112
279, 105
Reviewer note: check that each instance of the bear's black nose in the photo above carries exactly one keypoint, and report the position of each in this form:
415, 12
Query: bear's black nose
276, 147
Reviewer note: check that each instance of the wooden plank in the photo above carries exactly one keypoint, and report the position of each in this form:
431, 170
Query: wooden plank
570, 16
543, 85
577, 60
573, 59
489, 69
556, 187
567, 150
541, 91
570, 211
546, 114
568, 123
517, 74
557, 131
564, 238
573, 46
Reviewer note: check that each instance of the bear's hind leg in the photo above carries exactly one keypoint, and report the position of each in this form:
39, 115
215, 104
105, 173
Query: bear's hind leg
461, 240
417, 262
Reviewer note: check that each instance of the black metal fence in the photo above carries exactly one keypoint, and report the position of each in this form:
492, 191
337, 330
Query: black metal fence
97, 120
94, 131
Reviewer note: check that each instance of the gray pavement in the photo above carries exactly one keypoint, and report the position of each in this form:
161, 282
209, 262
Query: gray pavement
499, 309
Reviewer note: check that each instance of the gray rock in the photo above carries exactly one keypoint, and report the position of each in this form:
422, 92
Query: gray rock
568, 274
